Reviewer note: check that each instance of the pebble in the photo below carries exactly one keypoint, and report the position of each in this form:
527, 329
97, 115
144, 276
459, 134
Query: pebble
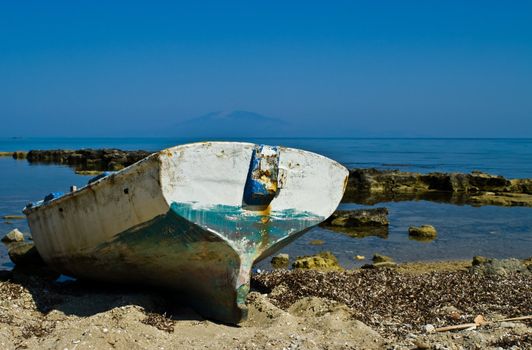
507, 325
428, 328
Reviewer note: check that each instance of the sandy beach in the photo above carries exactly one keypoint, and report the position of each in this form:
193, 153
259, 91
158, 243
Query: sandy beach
288, 309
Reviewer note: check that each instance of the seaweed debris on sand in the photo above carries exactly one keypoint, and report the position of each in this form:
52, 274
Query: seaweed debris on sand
304, 309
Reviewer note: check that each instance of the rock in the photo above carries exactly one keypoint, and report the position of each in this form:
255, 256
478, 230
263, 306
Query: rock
24, 254
504, 199
13, 236
321, 261
479, 260
501, 267
370, 186
428, 328
359, 218
507, 325
88, 159
380, 265
280, 261
316, 242
423, 231
379, 258
421, 345
360, 257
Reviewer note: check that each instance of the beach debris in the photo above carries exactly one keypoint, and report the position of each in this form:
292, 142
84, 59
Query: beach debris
13, 236
358, 218
161, 322
317, 242
423, 231
322, 261
280, 261
24, 254
480, 321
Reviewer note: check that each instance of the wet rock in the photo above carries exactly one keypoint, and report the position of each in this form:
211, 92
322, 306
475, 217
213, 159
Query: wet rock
280, 261
379, 258
370, 186
501, 267
88, 159
479, 260
380, 265
24, 254
321, 261
502, 199
13, 236
423, 231
359, 218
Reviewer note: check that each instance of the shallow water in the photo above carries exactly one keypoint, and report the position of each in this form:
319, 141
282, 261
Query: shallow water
463, 231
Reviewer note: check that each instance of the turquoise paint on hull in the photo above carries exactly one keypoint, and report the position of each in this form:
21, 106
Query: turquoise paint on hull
181, 250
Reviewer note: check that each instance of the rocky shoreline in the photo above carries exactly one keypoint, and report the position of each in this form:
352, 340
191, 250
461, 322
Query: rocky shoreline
365, 186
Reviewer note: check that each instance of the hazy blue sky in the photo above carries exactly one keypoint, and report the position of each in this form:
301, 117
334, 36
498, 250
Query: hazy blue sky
344, 68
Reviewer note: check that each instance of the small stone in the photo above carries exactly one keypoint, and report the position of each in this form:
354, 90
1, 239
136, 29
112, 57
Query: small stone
379, 258
423, 231
507, 325
360, 257
280, 261
428, 328
421, 345
13, 236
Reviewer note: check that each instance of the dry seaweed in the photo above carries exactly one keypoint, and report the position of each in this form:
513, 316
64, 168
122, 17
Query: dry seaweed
396, 302
161, 322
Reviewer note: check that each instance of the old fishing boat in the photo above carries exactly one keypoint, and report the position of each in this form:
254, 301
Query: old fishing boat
192, 218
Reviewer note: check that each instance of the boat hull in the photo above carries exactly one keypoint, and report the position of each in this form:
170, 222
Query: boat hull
171, 221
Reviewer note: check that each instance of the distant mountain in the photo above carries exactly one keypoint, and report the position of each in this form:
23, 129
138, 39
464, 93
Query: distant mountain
231, 124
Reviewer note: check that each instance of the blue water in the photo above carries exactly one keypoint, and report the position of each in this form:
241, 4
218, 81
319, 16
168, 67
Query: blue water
464, 231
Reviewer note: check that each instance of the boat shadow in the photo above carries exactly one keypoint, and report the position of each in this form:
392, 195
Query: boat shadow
87, 298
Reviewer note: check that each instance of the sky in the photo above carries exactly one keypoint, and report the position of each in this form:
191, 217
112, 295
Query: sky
327, 68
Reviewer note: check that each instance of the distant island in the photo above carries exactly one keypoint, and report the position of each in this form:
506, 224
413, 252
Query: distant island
230, 124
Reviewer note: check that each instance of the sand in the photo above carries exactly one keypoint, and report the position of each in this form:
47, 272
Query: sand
360, 309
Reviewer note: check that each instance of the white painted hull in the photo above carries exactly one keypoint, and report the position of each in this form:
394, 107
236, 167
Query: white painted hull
176, 219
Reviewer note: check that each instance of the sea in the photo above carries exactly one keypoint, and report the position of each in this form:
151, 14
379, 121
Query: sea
463, 230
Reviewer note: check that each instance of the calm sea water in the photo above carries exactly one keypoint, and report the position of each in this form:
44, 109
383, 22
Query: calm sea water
464, 231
